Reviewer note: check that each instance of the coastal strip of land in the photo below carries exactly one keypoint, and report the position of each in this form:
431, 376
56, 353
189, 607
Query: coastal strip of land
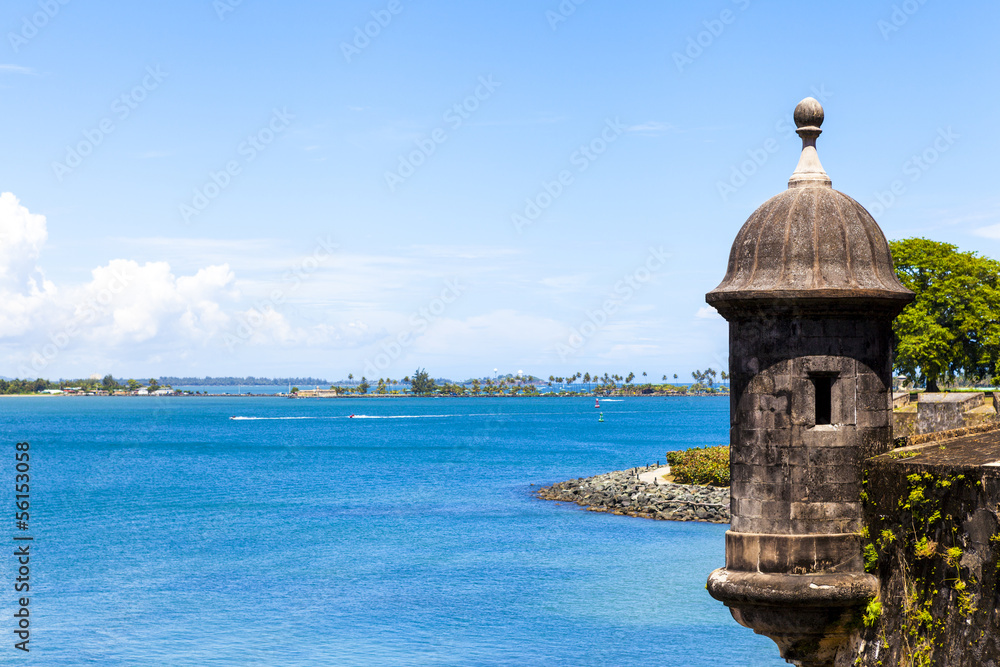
623, 492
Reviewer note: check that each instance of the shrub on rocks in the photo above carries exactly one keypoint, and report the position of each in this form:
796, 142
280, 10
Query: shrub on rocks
700, 465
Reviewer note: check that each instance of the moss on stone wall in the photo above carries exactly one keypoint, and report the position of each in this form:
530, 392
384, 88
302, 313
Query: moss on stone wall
931, 537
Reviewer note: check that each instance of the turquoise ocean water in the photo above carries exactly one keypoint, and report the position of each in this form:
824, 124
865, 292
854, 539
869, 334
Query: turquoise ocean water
167, 533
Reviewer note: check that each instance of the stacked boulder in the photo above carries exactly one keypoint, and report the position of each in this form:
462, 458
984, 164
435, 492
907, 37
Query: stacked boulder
622, 492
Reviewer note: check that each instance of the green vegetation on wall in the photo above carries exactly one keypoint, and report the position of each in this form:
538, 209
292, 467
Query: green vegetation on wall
915, 540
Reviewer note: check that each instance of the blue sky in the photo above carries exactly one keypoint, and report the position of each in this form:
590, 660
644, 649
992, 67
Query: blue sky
259, 188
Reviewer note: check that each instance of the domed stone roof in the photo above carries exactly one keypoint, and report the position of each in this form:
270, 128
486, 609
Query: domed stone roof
810, 242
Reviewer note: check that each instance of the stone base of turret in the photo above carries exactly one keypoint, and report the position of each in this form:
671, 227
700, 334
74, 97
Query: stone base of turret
793, 554
809, 616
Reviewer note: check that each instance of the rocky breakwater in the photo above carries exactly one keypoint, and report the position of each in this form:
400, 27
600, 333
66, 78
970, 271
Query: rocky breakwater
622, 492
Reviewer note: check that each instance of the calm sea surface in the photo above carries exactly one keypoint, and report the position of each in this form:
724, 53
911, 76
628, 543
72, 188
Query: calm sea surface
167, 533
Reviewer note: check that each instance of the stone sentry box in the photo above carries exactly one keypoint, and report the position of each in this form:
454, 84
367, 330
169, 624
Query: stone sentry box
810, 294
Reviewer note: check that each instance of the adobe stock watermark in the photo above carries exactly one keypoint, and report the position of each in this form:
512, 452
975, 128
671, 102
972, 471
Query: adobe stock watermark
899, 17
562, 13
914, 169
704, 39
420, 321
224, 7
757, 157
121, 108
363, 35
623, 292
427, 145
300, 272
248, 151
86, 313
32, 24
581, 159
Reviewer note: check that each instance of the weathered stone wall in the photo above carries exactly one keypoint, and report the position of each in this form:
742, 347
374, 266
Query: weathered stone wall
933, 413
904, 422
931, 535
790, 475
944, 415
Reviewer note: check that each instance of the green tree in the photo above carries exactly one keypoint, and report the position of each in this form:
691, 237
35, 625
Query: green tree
422, 383
953, 326
363, 386
381, 387
109, 383
133, 385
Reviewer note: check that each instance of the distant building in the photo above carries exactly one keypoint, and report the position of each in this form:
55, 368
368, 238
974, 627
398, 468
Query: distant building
316, 393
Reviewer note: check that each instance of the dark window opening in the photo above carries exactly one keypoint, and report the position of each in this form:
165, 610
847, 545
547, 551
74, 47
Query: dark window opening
824, 399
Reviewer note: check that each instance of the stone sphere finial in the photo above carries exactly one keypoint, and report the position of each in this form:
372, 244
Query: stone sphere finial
809, 172
809, 114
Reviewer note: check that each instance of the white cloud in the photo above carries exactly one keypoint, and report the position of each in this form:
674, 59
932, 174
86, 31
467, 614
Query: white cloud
989, 232
707, 313
149, 315
125, 310
135, 303
652, 128
22, 235
16, 69
23, 288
